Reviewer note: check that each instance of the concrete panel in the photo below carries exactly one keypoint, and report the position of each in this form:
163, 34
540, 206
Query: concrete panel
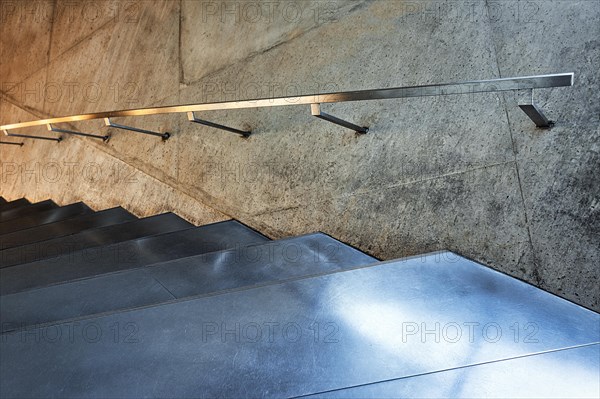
478, 213
29, 94
559, 178
552, 36
25, 32
77, 20
302, 159
215, 35
558, 167
123, 64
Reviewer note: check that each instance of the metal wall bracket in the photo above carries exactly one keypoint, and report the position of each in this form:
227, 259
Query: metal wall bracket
9, 143
57, 139
315, 110
532, 110
109, 123
55, 129
193, 118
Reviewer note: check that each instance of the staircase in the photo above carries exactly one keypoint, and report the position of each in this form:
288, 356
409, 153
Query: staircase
107, 305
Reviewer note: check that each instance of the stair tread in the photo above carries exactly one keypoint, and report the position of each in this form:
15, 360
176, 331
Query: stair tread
14, 204
15, 213
42, 218
93, 238
127, 255
65, 227
196, 275
569, 373
192, 348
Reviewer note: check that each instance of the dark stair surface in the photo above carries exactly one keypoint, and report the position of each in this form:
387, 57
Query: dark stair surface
32, 209
65, 227
93, 238
14, 204
127, 255
2, 201
197, 275
156, 307
49, 216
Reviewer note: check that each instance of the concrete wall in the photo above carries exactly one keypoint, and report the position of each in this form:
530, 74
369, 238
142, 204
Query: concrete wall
471, 174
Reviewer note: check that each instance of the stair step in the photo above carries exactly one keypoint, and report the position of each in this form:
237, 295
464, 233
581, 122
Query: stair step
65, 227
127, 255
93, 238
49, 216
14, 204
197, 275
32, 209
298, 337
569, 373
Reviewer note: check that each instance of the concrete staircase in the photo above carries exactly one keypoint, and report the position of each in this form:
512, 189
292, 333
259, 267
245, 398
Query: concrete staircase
106, 305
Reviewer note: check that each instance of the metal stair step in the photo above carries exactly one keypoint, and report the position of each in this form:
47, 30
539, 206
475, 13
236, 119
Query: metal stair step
197, 275
32, 209
49, 216
127, 255
93, 238
65, 227
568, 373
14, 204
298, 337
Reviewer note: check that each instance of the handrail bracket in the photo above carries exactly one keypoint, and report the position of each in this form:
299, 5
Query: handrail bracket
532, 110
192, 118
165, 136
25, 136
315, 110
95, 136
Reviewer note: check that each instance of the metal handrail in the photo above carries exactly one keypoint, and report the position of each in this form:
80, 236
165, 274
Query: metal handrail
525, 85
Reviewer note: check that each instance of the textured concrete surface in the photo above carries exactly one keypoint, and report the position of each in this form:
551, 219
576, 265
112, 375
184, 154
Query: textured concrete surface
471, 174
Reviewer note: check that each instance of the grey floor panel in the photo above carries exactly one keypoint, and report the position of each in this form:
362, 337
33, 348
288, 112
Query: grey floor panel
50, 216
570, 373
127, 255
14, 204
65, 228
197, 275
93, 238
299, 337
32, 209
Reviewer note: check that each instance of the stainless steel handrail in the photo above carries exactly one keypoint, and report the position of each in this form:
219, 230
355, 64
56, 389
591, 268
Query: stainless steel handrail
525, 84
